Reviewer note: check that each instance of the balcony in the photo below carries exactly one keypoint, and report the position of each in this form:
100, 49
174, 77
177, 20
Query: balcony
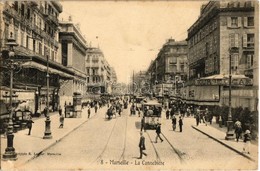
11, 12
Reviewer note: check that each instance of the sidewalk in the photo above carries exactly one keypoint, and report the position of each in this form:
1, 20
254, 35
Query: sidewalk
218, 134
28, 147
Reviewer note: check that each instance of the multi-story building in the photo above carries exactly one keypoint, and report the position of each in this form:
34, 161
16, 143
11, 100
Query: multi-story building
73, 50
169, 67
222, 39
99, 73
34, 26
113, 75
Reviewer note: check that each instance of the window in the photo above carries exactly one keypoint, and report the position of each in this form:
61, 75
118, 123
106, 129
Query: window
22, 9
28, 14
87, 79
233, 40
88, 71
234, 22
40, 48
248, 40
182, 67
234, 62
22, 38
250, 21
249, 60
34, 45
27, 41
16, 5
173, 60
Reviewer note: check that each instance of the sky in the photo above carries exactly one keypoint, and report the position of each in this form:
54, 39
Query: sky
131, 33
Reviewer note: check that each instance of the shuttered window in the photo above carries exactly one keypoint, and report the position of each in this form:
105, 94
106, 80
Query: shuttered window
234, 22
233, 40
248, 40
234, 62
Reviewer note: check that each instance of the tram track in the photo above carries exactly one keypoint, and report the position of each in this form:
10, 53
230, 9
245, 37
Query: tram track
175, 151
100, 157
155, 150
122, 157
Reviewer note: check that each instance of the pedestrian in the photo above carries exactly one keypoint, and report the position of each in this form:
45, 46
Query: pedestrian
142, 146
96, 108
29, 124
197, 119
167, 113
142, 124
89, 112
45, 111
158, 132
60, 110
61, 121
180, 123
238, 129
247, 141
174, 122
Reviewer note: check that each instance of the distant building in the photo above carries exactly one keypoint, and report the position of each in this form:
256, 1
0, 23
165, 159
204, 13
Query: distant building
98, 71
169, 68
72, 51
224, 30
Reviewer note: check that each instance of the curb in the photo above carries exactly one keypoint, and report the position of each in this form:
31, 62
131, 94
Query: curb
231, 148
53, 143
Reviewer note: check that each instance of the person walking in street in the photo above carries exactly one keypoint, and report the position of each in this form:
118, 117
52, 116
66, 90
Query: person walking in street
238, 129
142, 145
158, 132
142, 124
61, 121
247, 141
96, 108
180, 123
197, 119
60, 110
29, 124
89, 112
167, 113
45, 111
174, 122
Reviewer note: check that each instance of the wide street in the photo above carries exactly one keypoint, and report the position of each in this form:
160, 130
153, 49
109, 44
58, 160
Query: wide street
113, 144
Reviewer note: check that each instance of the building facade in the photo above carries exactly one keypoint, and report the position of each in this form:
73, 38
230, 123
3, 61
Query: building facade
73, 49
99, 72
34, 26
169, 68
222, 40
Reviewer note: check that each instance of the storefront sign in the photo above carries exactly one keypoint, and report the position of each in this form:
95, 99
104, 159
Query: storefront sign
234, 82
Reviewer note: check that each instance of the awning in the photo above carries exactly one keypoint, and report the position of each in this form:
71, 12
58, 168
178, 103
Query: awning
32, 64
236, 80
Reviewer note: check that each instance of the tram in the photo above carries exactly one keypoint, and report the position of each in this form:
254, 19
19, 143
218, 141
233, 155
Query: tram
152, 114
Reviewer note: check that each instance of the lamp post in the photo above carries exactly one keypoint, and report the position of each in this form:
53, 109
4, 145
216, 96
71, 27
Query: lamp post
47, 133
10, 153
229, 133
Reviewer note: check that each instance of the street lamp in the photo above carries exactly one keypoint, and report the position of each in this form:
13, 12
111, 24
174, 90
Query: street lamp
47, 133
10, 153
230, 134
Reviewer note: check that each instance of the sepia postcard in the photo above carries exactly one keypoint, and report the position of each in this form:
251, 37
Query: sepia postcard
129, 85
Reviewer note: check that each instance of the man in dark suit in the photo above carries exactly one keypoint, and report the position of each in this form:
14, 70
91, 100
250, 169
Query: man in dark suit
142, 146
29, 124
158, 132
180, 123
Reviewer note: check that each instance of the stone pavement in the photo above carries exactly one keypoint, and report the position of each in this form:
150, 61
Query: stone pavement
218, 134
28, 147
